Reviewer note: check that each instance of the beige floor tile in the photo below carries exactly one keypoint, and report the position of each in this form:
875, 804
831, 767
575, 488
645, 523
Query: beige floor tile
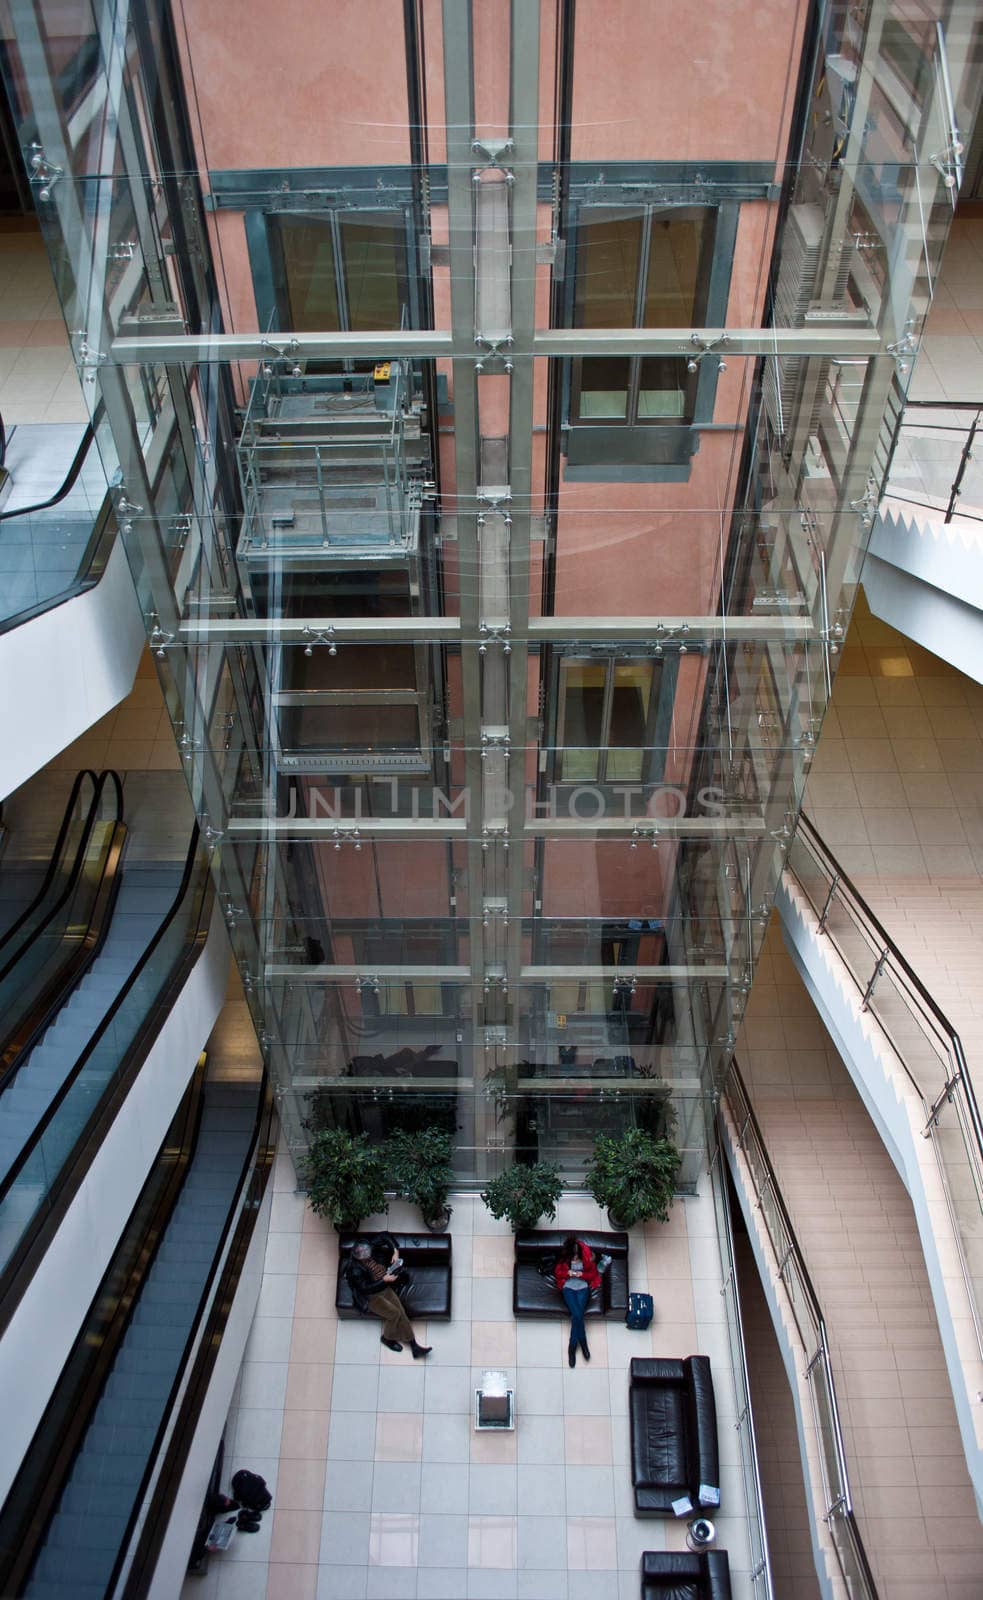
492, 1344
309, 1386
288, 1581
313, 1340
399, 1436
588, 1441
300, 1485
305, 1435
296, 1536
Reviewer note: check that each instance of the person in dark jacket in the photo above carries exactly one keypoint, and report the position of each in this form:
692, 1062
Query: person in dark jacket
576, 1277
374, 1289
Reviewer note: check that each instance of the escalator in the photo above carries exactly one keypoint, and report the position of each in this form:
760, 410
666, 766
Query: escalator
73, 1509
57, 536
36, 900
76, 1063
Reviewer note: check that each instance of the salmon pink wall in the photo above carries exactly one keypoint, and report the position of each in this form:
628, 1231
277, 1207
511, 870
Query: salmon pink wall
674, 81
299, 84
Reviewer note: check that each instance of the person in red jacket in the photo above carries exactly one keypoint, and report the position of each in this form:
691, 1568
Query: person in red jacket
576, 1277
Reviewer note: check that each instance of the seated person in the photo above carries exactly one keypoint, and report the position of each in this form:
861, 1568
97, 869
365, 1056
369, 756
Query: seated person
374, 1289
576, 1276
385, 1251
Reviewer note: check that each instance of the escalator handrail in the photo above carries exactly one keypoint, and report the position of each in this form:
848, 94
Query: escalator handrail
51, 1111
16, 1046
77, 866
55, 856
89, 568
213, 1311
59, 1441
67, 486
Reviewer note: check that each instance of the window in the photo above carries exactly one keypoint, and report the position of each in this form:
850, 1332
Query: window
607, 714
339, 271
639, 269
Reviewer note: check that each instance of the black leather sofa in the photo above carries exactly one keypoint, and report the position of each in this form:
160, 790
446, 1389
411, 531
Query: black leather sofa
534, 1295
677, 1575
673, 1419
428, 1259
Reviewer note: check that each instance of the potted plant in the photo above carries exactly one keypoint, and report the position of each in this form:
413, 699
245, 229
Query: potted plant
344, 1178
418, 1167
633, 1176
524, 1193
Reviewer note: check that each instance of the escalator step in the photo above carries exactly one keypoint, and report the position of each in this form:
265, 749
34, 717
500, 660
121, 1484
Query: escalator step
138, 1385
70, 1530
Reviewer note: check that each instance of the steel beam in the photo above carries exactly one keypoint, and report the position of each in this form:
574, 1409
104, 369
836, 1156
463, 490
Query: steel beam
542, 630
623, 974
427, 343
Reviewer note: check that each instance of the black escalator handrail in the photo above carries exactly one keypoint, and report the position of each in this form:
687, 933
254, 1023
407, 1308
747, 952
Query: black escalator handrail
91, 566
230, 1252
91, 819
67, 486
55, 857
16, 1045
77, 866
34, 1494
19, 1268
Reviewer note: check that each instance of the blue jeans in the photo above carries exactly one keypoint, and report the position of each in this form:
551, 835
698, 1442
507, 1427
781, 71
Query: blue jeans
576, 1298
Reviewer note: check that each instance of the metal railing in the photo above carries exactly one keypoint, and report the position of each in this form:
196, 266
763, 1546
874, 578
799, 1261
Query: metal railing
337, 472
33, 530
946, 461
807, 1313
761, 1573
921, 1036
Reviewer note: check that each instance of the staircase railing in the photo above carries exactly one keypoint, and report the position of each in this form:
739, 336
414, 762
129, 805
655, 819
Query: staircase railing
956, 438
807, 1312
918, 1031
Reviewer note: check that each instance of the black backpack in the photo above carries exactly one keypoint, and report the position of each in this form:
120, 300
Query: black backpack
250, 1490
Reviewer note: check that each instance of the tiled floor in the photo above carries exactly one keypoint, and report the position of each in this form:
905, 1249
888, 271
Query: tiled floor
383, 1489
38, 381
855, 1223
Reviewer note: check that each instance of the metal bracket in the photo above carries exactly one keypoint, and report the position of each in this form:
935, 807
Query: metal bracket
491, 153
44, 171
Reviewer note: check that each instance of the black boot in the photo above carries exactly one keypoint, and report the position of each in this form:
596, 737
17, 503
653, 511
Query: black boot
572, 1353
584, 1350
420, 1350
391, 1344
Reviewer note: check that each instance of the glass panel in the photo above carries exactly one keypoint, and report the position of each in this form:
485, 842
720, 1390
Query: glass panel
609, 249
308, 256
675, 254
662, 388
374, 253
629, 718
604, 382
582, 685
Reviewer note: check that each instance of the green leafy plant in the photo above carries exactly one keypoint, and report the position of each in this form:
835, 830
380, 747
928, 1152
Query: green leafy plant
523, 1193
418, 1167
345, 1178
634, 1176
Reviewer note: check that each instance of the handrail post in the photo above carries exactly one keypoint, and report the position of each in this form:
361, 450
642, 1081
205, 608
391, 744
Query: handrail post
964, 460
879, 968
834, 885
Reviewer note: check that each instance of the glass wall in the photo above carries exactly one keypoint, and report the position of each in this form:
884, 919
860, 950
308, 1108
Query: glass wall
495, 485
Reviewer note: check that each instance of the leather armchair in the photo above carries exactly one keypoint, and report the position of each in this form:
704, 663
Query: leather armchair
428, 1259
535, 1296
673, 1418
677, 1575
